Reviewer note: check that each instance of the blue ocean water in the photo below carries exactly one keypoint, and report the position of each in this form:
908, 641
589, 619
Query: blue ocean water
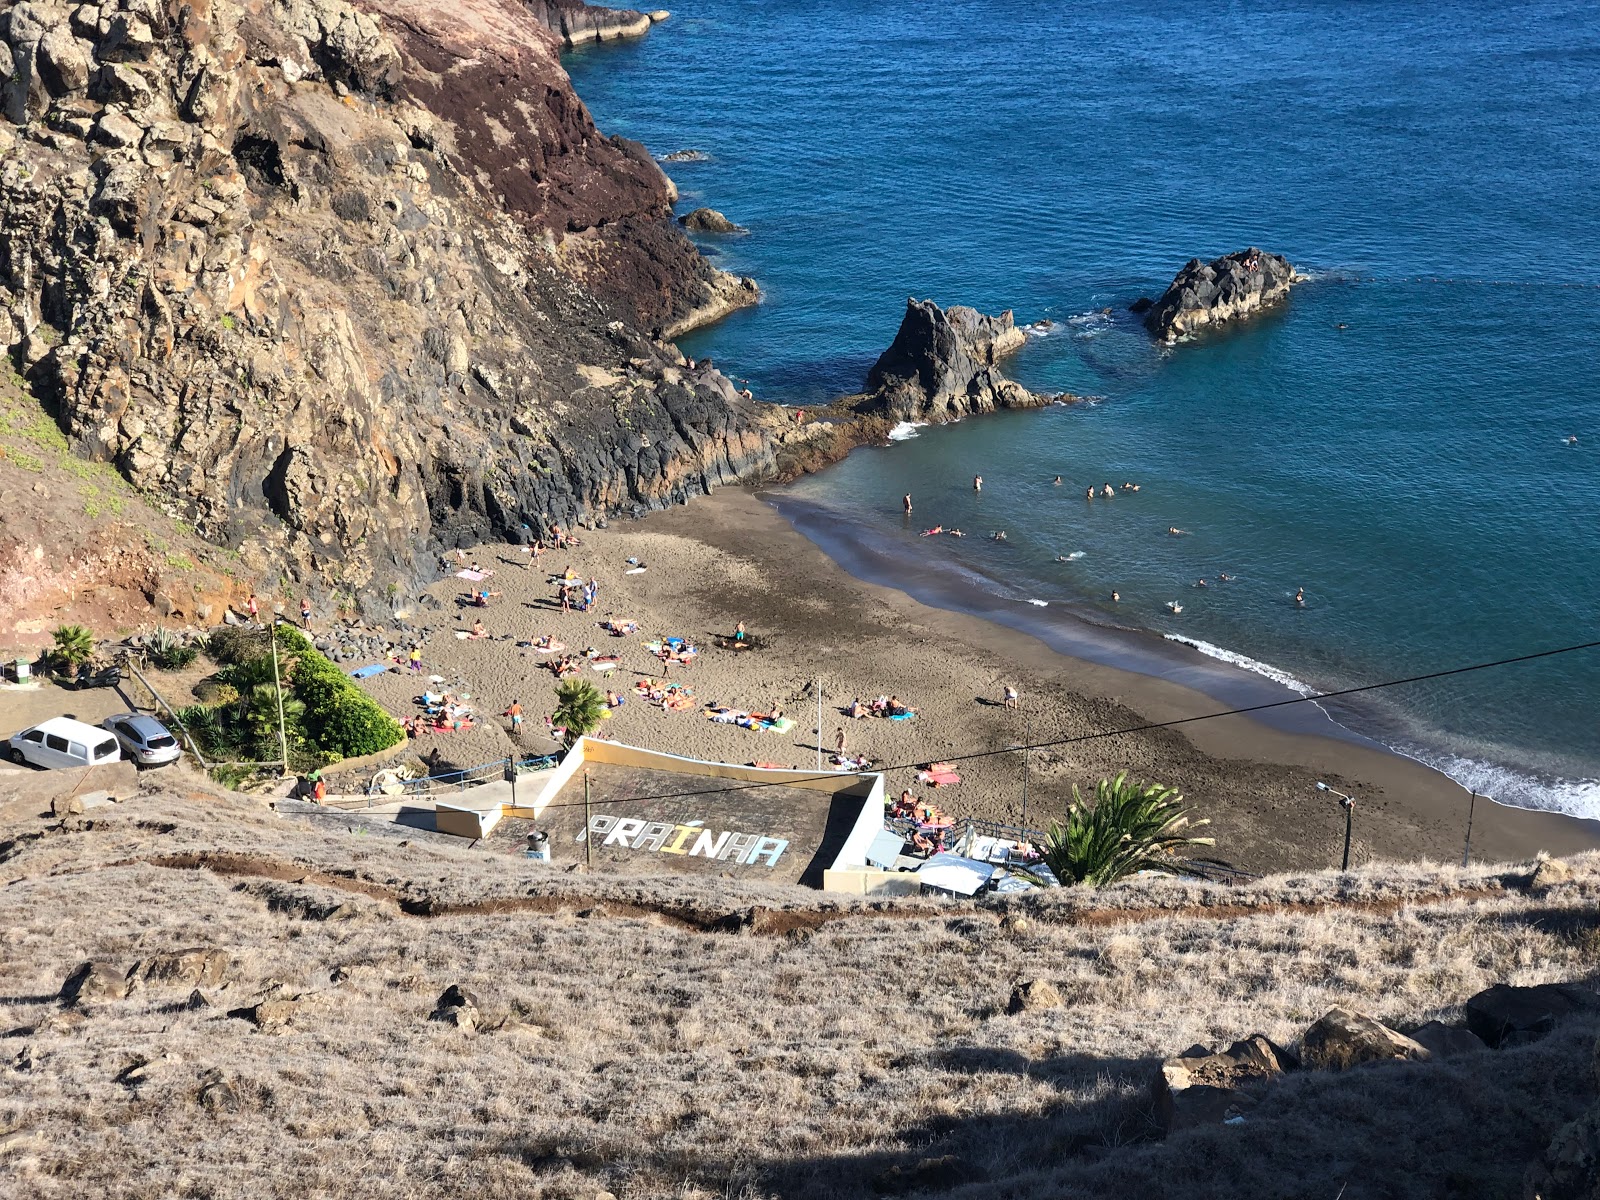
1391, 440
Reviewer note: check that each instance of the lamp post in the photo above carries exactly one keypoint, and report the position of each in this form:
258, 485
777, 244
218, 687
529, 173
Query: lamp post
277, 687
1348, 803
1027, 740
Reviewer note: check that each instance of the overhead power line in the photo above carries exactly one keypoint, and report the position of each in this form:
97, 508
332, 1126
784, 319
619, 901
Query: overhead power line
1129, 729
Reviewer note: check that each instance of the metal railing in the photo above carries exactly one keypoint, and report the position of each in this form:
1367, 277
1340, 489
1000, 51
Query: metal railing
473, 776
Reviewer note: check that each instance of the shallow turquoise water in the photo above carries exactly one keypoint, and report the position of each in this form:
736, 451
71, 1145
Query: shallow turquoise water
1433, 166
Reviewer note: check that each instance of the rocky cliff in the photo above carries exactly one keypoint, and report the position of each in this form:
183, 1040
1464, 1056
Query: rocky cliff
943, 365
1214, 293
335, 282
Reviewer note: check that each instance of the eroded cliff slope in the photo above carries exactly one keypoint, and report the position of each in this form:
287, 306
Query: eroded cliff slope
339, 281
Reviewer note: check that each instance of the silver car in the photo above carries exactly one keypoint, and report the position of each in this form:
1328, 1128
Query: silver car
145, 740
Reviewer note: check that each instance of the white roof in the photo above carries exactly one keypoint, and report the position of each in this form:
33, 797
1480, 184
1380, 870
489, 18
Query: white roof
964, 876
76, 730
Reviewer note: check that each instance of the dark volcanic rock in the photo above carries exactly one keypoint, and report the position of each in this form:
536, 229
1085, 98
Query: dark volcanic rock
686, 156
709, 220
334, 301
1344, 1039
1226, 289
1200, 1087
1508, 1016
943, 365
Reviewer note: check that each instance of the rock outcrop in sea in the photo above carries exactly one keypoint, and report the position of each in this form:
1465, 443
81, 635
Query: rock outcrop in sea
709, 220
578, 23
944, 364
339, 281
1226, 289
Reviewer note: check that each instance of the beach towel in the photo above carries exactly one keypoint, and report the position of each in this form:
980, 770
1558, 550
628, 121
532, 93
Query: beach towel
727, 716
605, 666
475, 576
781, 725
552, 648
938, 779
905, 716
369, 672
634, 571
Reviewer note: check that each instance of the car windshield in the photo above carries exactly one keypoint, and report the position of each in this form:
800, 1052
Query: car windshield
105, 749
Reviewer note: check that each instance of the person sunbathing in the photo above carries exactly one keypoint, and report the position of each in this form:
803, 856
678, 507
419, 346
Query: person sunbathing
478, 631
856, 709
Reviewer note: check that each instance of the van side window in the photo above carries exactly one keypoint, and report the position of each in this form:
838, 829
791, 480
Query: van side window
56, 742
34, 735
105, 748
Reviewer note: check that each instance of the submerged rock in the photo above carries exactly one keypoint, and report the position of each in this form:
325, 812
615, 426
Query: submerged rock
686, 156
1225, 289
943, 364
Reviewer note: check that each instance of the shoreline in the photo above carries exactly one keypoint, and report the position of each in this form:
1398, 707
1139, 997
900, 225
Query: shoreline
734, 556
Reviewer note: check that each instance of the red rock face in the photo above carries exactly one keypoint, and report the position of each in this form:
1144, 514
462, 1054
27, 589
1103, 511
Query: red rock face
491, 70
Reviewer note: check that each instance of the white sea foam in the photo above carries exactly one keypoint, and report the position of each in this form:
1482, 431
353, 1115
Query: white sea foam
1244, 661
1040, 603
906, 430
1507, 785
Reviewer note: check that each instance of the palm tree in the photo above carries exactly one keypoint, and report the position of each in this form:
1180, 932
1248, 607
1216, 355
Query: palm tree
74, 646
1131, 828
579, 708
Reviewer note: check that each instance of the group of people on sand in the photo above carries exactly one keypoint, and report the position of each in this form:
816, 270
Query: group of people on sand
883, 706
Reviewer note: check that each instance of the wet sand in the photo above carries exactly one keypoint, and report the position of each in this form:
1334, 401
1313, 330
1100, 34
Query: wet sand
733, 558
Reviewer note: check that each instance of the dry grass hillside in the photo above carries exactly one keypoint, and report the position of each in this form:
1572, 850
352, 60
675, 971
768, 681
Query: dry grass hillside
689, 1038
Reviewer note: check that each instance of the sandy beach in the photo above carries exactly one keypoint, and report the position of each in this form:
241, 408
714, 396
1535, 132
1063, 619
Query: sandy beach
732, 558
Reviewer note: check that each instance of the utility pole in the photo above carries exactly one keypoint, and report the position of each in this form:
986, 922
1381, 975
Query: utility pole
277, 687
588, 825
1471, 805
819, 724
1027, 740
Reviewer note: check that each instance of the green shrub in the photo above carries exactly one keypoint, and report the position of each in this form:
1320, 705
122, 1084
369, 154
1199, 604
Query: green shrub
170, 654
339, 716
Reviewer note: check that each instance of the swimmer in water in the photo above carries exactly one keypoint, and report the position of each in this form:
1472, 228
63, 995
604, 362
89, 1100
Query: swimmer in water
1057, 481
1107, 492
1130, 487
1174, 531
1116, 596
907, 502
955, 533
934, 530
1571, 440
998, 535
1224, 578
977, 483
1200, 583
1300, 597
1089, 494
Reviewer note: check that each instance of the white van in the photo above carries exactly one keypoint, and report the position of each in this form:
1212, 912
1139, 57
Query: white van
63, 742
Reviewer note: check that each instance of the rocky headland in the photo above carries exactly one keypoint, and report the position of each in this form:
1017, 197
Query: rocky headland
1226, 289
578, 23
337, 282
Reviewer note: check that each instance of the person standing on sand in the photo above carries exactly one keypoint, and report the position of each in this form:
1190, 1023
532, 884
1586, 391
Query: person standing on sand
838, 740
416, 656
906, 500
515, 713
1011, 698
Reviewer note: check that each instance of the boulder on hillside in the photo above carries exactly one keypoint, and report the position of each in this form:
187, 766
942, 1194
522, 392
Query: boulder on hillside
1548, 872
1446, 1041
94, 981
1509, 1016
1200, 1087
1225, 289
193, 968
1033, 995
709, 220
1344, 1039
943, 364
